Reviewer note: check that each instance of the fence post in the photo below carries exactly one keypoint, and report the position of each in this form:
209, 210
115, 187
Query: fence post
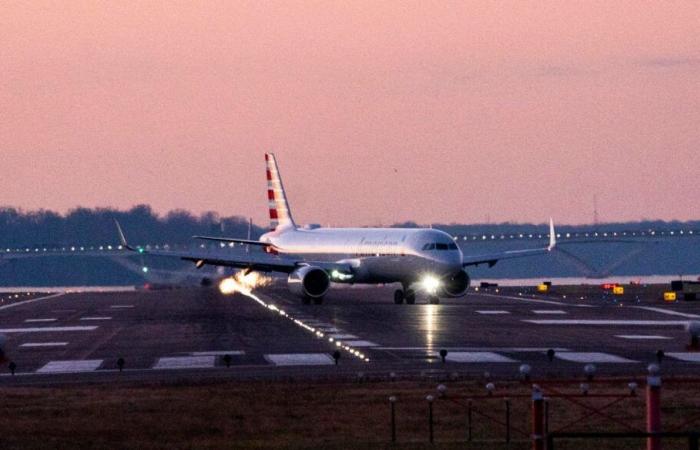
507, 420
430, 399
469, 421
392, 400
537, 418
653, 407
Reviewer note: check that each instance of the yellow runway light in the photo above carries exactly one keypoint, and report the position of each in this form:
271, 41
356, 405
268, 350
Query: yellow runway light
670, 296
618, 290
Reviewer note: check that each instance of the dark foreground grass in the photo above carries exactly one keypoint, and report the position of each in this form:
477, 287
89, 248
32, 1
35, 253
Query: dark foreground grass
296, 415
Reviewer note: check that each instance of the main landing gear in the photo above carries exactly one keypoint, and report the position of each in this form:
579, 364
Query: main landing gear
406, 294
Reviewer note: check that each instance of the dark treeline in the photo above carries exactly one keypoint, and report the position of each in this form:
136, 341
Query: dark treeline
84, 226
526, 228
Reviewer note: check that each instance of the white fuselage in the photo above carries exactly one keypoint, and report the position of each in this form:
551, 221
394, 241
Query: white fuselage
377, 255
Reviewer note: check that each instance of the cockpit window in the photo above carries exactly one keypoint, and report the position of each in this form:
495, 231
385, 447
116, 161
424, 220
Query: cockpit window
452, 246
429, 246
441, 246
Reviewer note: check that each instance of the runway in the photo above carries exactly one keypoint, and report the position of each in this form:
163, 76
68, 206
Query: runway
198, 333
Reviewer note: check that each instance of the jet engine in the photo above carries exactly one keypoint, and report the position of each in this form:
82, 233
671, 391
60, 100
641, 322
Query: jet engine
309, 282
455, 285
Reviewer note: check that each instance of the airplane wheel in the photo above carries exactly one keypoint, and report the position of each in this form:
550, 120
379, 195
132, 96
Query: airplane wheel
305, 301
410, 297
318, 300
434, 300
398, 296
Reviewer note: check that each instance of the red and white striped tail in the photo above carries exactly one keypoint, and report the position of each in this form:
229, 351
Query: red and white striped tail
280, 216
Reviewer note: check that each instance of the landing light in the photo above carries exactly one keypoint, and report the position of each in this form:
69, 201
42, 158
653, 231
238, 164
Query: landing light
431, 284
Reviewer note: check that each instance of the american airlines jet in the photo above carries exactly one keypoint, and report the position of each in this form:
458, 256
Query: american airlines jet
421, 259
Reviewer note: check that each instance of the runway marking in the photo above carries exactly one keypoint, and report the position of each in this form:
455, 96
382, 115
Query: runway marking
44, 344
219, 353
47, 329
685, 356
477, 357
641, 336
185, 362
592, 357
26, 302
84, 365
658, 323
548, 311
343, 336
329, 329
39, 320
491, 311
300, 359
121, 306
524, 299
477, 349
669, 312
361, 343
96, 318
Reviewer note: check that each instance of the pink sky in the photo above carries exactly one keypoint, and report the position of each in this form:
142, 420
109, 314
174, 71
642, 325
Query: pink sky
378, 112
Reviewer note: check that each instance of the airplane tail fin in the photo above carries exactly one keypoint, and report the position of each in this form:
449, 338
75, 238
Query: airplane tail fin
280, 216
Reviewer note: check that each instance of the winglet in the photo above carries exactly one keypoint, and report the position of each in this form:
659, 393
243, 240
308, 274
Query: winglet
552, 235
122, 238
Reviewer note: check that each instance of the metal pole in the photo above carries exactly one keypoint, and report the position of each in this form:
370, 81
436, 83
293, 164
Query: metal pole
507, 420
537, 419
430, 419
653, 410
393, 423
469, 420
693, 442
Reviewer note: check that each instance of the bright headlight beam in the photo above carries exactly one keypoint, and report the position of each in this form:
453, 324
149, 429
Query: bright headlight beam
430, 284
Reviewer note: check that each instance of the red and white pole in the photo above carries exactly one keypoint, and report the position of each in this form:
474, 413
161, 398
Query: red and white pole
653, 407
537, 418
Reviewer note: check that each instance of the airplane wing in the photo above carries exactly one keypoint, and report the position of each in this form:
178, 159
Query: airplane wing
256, 262
492, 259
234, 240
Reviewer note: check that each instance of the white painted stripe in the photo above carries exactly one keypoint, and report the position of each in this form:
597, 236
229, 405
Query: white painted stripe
524, 299
26, 302
360, 343
659, 323
84, 365
477, 357
496, 349
44, 344
219, 353
592, 357
685, 356
47, 329
492, 311
548, 311
669, 312
185, 362
328, 329
39, 320
342, 336
121, 306
300, 359
641, 336
96, 318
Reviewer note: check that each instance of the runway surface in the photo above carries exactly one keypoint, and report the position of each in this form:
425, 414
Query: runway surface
197, 333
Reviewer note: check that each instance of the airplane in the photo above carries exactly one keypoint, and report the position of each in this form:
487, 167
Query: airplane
421, 259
